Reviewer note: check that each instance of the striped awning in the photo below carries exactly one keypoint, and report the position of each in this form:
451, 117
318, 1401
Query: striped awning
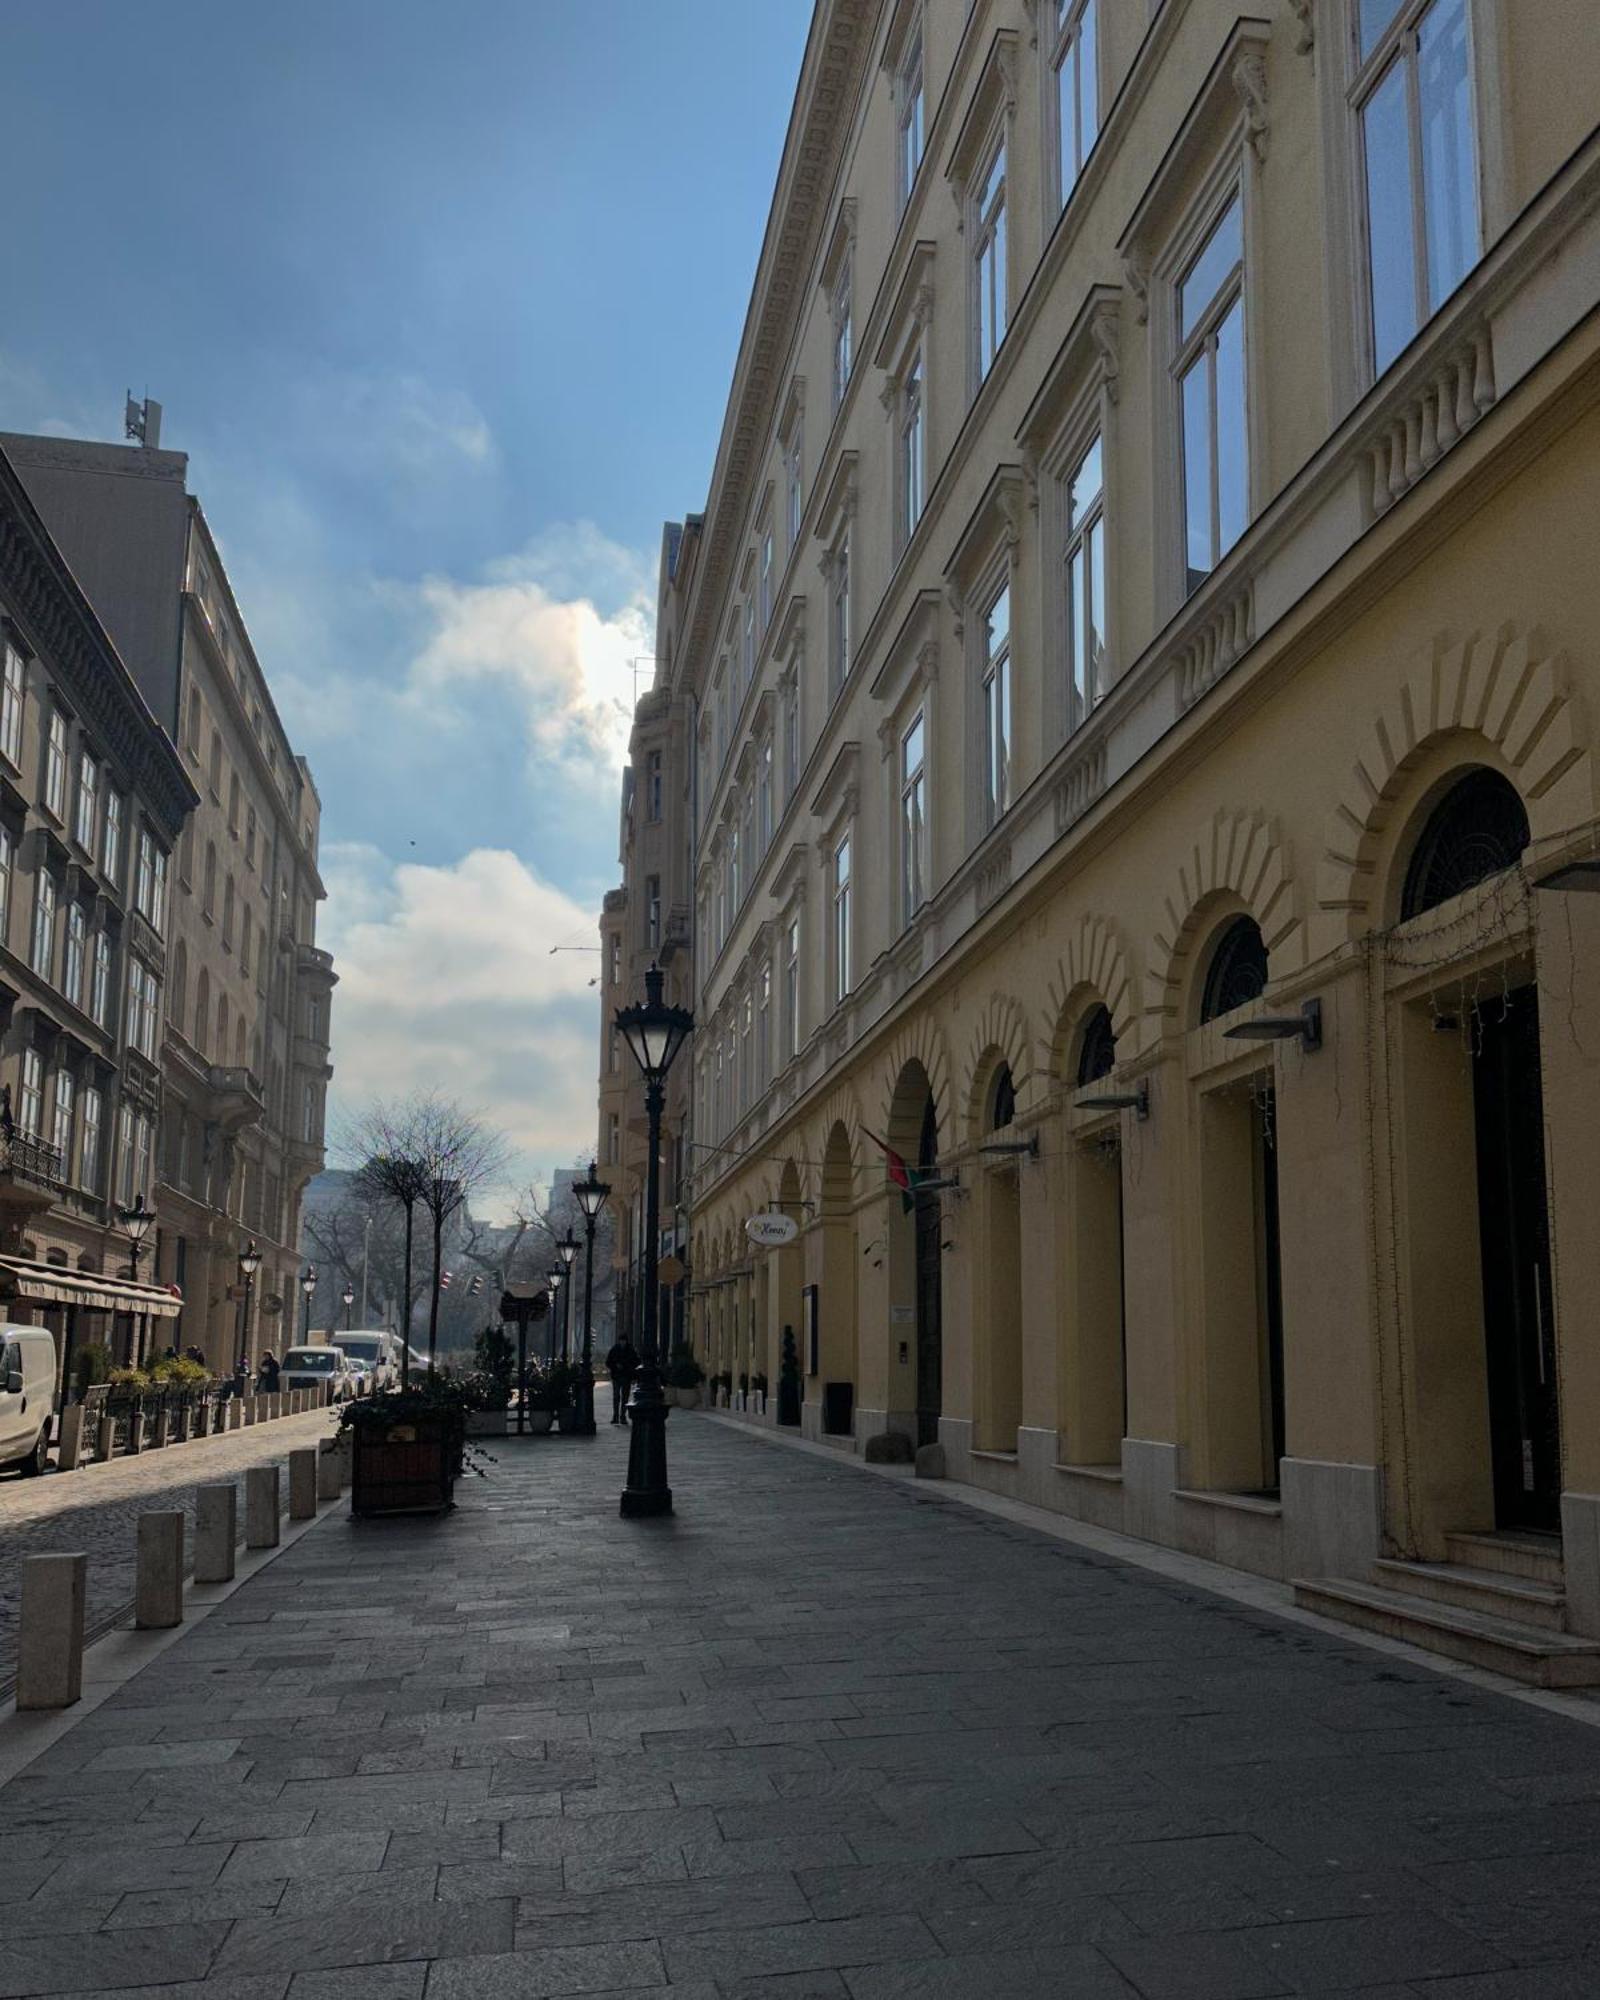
54, 1285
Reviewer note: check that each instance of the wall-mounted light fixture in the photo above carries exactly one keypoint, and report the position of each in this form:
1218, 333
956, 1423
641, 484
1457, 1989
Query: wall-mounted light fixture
1030, 1146
1136, 1100
1304, 1027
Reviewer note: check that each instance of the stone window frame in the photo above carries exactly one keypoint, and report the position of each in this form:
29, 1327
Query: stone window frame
834, 812
905, 62
907, 685
1055, 37
1330, 31
907, 342
1220, 150
836, 280
987, 126
835, 526
791, 435
986, 560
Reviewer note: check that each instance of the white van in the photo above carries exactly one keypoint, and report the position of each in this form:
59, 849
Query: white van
376, 1349
27, 1395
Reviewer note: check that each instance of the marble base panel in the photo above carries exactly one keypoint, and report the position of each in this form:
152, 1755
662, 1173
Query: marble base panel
1580, 1551
1151, 1475
1248, 1538
1332, 1518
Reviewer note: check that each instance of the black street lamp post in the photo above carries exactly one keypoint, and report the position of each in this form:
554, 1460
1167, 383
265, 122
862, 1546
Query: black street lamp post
249, 1264
308, 1284
654, 1033
555, 1281
137, 1222
349, 1301
568, 1249
591, 1194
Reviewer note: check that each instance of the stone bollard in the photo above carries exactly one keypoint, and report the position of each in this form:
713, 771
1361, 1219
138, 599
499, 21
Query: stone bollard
105, 1441
163, 1427
216, 1533
69, 1438
303, 1484
50, 1631
346, 1449
158, 1580
261, 1507
250, 1410
329, 1482
235, 1410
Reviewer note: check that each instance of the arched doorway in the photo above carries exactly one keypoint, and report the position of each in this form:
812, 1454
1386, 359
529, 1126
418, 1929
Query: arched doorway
999, 1276
1246, 1430
1094, 1401
835, 1300
929, 1219
915, 1233
1474, 831
789, 1388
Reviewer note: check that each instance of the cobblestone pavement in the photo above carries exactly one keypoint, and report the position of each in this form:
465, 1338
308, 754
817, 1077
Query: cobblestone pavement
95, 1508
820, 1735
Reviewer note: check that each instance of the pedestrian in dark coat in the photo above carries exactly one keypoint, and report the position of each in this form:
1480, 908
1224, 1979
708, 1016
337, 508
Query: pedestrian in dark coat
622, 1364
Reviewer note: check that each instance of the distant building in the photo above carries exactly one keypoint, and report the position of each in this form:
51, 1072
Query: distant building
92, 799
244, 1060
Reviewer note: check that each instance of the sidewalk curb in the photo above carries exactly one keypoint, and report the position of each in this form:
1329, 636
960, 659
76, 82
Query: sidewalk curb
1258, 1593
121, 1654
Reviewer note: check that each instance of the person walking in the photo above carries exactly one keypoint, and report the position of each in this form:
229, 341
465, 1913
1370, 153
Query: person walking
622, 1364
267, 1376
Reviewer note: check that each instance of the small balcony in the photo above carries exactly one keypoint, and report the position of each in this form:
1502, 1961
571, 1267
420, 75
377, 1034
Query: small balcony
26, 1158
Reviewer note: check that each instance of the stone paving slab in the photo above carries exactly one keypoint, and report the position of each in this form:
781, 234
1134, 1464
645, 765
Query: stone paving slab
822, 1736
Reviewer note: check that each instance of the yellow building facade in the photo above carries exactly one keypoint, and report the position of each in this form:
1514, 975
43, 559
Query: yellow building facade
1143, 651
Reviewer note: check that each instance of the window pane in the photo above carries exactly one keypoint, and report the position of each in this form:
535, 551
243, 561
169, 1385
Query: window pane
913, 748
1207, 274
1086, 482
1097, 600
1197, 469
1390, 238
1375, 17
998, 624
1088, 93
1233, 447
1081, 628
1449, 168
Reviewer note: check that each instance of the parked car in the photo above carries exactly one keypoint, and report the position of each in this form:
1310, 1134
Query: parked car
377, 1350
27, 1395
312, 1367
362, 1379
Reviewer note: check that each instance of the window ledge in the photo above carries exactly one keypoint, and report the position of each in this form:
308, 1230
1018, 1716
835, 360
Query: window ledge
995, 1457
1240, 1503
1103, 1475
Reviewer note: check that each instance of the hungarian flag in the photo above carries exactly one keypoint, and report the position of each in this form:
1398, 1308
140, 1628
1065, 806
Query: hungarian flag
900, 1175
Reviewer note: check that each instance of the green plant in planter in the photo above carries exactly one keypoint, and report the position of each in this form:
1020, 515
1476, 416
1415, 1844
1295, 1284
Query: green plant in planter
550, 1385
176, 1371
744, 1381
759, 1384
683, 1371
128, 1382
496, 1357
91, 1364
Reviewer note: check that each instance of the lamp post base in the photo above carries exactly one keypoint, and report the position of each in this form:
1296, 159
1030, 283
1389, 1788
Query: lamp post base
647, 1491
584, 1427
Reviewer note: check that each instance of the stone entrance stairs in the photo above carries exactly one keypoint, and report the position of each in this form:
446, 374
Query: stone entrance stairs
1497, 1601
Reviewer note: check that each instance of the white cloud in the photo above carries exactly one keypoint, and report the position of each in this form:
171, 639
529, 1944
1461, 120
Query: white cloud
447, 982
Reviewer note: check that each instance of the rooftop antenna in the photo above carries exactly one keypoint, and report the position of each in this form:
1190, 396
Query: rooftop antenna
142, 422
640, 660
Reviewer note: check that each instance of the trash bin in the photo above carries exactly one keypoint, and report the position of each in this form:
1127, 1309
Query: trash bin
838, 1407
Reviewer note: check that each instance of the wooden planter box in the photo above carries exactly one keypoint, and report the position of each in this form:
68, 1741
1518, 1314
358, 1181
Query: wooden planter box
408, 1469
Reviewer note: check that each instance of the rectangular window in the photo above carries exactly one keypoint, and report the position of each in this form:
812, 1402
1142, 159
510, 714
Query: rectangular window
1211, 383
722, 718
77, 939
61, 1119
841, 919
616, 960
89, 1139
55, 765
1077, 94
125, 1154
88, 801
1413, 103
735, 867
144, 874
30, 1110
749, 670
839, 616
746, 1053
144, 1148
989, 260
765, 581
909, 117
613, 1138
764, 1027
913, 449
652, 784
42, 949
8, 862
996, 689
13, 696
794, 486
764, 797
791, 986
913, 820
652, 912
1084, 562
840, 312
113, 841
791, 737
100, 984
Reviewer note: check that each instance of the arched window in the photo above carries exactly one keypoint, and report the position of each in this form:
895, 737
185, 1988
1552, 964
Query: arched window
238, 1043
1097, 1051
227, 912
1002, 1100
178, 992
1237, 973
222, 1027
202, 1011
208, 901
216, 764
1478, 828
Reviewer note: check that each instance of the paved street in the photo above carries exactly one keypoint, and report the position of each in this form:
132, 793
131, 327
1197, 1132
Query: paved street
822, 1734
95, 1509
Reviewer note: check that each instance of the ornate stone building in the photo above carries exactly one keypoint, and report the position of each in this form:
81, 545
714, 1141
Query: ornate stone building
245, 1055
1142, 647
92, 798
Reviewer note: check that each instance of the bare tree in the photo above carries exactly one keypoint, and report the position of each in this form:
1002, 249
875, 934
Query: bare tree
458, 1153
389, 1143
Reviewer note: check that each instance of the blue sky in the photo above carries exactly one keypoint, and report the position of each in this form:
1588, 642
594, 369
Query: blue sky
443, 304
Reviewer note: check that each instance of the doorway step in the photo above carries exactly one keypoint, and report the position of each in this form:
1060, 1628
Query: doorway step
1498, 1601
